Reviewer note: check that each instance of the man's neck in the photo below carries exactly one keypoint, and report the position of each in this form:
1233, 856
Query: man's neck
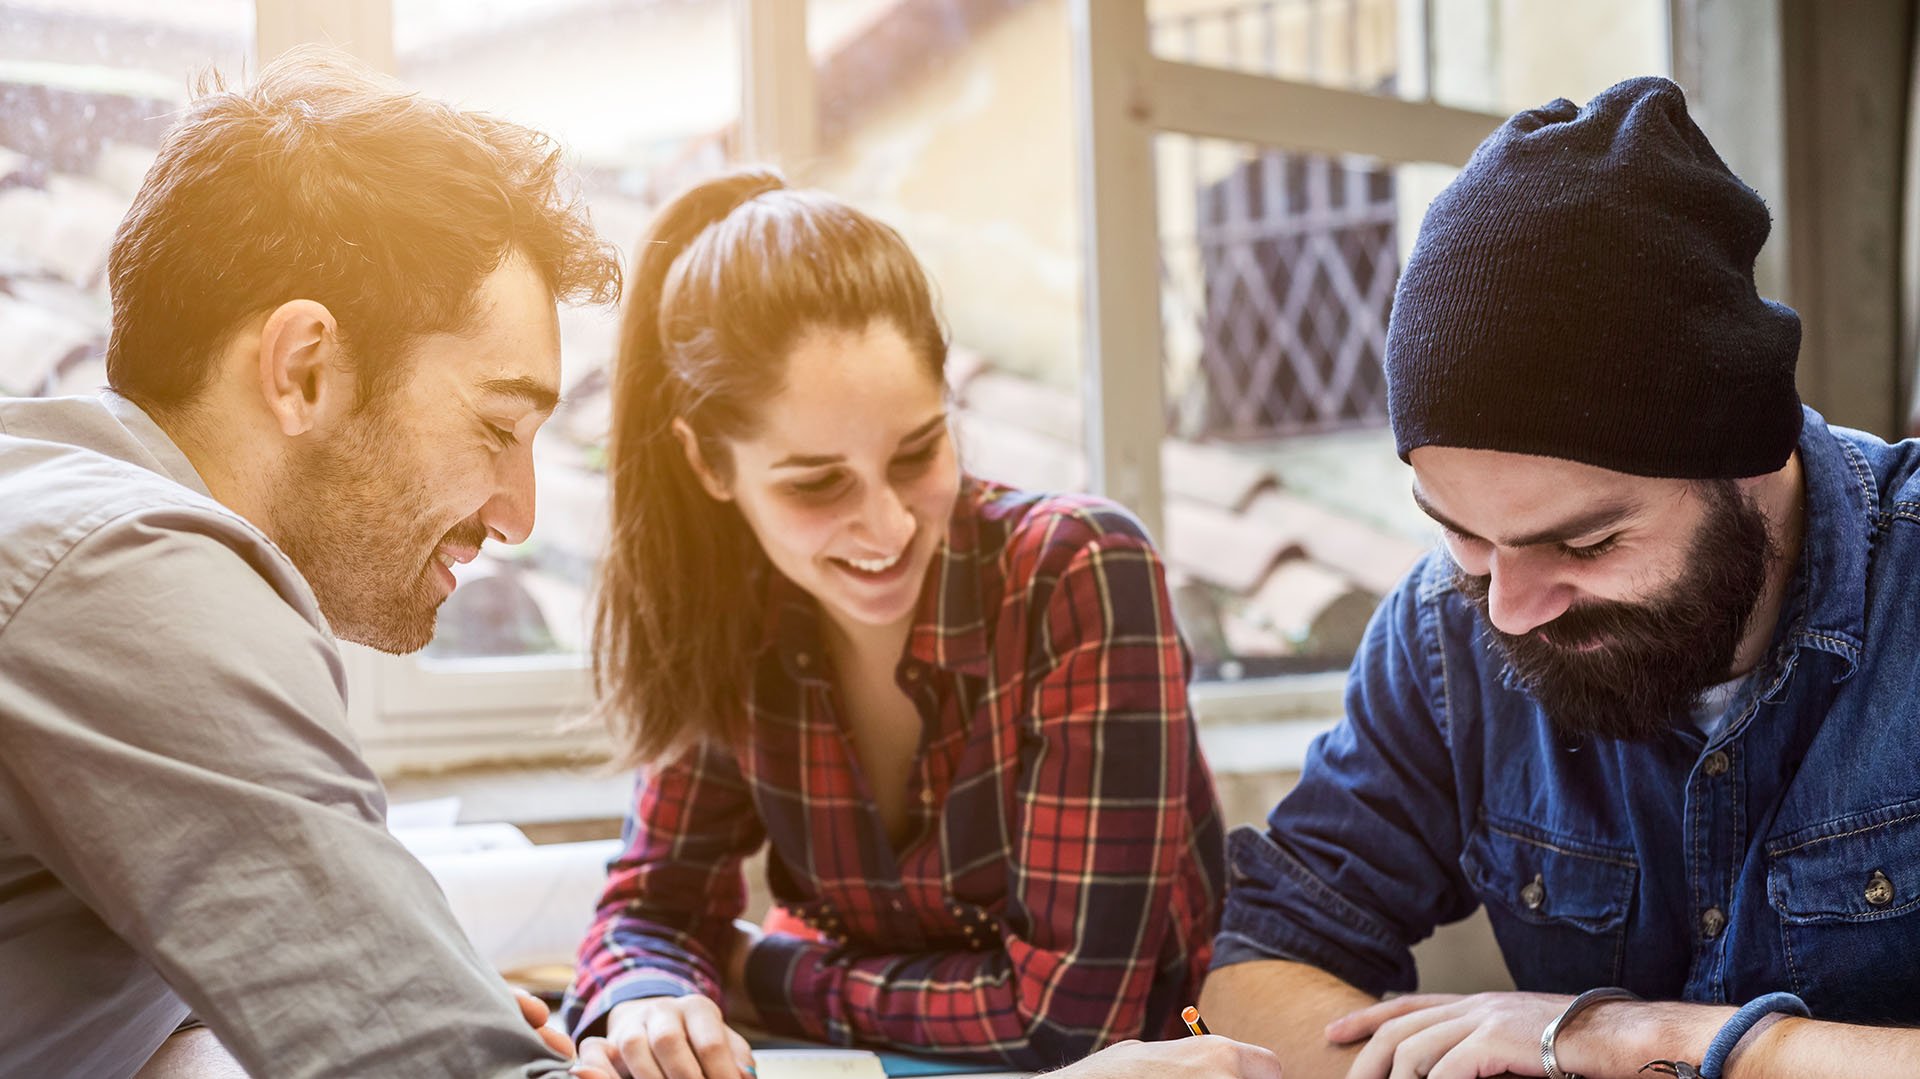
1782, 497
211, 454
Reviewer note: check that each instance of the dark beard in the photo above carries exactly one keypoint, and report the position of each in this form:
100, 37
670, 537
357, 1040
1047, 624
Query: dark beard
1656, 656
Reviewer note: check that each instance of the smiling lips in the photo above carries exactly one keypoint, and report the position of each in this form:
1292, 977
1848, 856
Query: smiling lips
1591, 643
461, 555
873, 565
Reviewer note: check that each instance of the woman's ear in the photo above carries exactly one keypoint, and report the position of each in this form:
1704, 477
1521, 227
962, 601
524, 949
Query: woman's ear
690, 445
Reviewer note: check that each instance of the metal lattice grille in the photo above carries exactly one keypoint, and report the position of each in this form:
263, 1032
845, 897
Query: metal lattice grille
1298, 261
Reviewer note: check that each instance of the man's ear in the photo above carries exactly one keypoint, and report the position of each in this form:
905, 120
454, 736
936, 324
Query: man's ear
303, 374
690, 445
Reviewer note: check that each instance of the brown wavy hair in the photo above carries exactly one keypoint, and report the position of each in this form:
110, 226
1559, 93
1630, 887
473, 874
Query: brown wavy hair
323, 181
731, 273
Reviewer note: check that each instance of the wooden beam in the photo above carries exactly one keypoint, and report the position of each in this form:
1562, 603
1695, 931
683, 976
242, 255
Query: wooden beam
779, 103
1122, 367
1847, 75
1217, 103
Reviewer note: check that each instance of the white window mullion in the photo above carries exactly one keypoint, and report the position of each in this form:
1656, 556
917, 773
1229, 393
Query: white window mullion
779, 111
1123, 384
361, 27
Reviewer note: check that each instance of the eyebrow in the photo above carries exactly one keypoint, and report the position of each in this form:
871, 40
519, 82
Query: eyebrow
798, 460
1601, 517
542, 397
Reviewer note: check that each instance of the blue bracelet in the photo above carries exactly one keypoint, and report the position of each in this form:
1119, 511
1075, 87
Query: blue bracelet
1721, 1047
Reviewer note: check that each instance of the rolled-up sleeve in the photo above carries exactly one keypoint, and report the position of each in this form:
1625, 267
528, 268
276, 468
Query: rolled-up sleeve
672, 892
1361, 860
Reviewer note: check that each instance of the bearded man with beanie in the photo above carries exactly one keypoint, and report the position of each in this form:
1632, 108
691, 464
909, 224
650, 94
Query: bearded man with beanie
1652, 704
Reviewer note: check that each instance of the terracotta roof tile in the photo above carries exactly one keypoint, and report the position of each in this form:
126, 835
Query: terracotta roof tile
1222, 548
1373, 559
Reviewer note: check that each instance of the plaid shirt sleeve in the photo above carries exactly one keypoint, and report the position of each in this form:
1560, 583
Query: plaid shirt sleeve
672, 892
1099, 838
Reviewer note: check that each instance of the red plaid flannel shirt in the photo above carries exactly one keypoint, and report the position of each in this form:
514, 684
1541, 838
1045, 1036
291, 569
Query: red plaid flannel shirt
1064, 881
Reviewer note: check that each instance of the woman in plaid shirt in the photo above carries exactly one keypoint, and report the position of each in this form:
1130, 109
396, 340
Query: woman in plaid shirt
956, 712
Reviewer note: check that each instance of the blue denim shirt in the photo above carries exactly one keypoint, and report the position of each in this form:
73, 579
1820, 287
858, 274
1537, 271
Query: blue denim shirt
1782, 854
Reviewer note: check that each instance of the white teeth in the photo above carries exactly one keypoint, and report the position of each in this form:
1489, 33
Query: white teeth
872, 565
445, 558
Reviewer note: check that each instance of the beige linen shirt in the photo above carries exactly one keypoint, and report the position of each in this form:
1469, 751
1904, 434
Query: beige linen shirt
186, 823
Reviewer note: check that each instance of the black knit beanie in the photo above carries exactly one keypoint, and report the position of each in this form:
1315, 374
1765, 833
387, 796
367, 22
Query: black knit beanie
1584, 290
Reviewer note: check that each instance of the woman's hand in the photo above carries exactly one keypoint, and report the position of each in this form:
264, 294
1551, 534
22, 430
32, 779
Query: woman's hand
669, 1038
734, 980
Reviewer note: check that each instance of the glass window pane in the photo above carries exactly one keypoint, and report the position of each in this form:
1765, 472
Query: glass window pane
643, 95
958, 131
1347, 44
1287, 512
87, 88
1488, 55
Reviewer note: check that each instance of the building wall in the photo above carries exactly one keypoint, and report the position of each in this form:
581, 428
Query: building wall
974, 163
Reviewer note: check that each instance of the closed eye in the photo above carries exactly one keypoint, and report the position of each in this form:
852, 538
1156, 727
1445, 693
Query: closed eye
502, 437
1591, 550
917, 457
820, 485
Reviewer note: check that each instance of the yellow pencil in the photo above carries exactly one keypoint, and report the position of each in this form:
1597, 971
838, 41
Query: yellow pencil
1195, 1024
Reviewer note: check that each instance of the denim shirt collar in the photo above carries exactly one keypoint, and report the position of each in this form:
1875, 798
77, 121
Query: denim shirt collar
1841, 504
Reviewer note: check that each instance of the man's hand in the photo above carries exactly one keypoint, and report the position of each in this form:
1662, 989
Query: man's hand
1209, 1057
668, 1038
535, 1012
1448, 1037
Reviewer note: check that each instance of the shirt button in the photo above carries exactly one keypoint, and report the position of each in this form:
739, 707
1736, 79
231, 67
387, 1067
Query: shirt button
1535, 893
926, 796
897, 905
1715, 764
802, 660
912, 673
1879, 889
1712, 923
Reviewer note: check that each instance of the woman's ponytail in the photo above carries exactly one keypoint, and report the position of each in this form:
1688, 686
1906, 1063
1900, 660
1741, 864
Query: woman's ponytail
671, 546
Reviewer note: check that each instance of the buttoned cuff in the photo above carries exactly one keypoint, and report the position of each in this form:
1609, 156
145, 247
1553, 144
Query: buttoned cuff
645, 983
790, 983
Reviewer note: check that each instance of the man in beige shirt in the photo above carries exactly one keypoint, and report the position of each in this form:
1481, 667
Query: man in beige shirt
334, 337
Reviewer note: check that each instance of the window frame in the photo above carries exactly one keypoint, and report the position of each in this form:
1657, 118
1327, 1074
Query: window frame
416, 713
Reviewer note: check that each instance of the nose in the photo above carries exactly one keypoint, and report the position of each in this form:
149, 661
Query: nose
508, 514
885, 520
1524, 593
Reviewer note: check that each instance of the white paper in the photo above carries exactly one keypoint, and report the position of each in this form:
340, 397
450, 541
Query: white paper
818, 1064
525, 907
427, 813
461, 839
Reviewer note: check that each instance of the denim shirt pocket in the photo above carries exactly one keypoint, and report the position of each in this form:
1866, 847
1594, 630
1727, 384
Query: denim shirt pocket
1559, 906
1843, 890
